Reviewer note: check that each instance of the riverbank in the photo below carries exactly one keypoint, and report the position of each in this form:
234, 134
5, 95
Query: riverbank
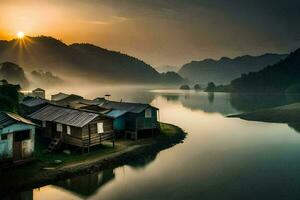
35, 175
282, 114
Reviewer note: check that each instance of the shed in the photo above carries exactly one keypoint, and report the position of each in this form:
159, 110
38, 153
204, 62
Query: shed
130, 117
16, 138
74, 127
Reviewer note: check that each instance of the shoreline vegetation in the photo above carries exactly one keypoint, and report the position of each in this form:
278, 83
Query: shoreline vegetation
42, 172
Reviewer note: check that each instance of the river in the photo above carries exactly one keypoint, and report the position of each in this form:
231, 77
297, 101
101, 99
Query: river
221, 158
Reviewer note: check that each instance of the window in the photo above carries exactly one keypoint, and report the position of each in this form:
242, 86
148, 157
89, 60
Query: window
100, 127
59, 127
44, 124
21, 135
148, 113
68, 130
4, 137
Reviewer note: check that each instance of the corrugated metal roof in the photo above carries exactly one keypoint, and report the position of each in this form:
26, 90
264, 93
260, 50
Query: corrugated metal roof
7, 119
32, 102
116, 113
129, 107
67, 116
59, 96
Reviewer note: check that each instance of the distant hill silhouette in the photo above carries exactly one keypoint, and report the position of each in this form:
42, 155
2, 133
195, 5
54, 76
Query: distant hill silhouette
14, 74
224, 70
82, 60
277, 78
172, 78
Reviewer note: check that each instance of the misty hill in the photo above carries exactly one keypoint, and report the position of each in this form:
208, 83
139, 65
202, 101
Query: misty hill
14, 74
283, 76
224, 70
82, 60
172, 78
45, 78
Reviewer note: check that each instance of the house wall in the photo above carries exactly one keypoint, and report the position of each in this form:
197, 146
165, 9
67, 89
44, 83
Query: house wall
90, 135
119, 123
6, 146
140, 122
6, 150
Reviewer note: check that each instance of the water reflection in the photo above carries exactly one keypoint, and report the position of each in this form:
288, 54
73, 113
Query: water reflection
251, 102
86, 186
27, 195
226, 104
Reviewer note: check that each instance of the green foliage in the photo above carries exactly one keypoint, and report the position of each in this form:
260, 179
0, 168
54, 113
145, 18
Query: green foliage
9, 97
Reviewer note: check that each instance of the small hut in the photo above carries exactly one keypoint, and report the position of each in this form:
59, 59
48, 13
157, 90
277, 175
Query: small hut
74, 127
16, 138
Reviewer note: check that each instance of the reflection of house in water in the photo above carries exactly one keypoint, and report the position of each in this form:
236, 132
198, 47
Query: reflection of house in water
143, 161
87, 185
28, 195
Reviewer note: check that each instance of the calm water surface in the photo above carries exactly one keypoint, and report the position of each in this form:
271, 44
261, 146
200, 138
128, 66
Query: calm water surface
222, 158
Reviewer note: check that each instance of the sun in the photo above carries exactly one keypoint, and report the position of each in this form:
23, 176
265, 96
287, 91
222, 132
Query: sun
20, 35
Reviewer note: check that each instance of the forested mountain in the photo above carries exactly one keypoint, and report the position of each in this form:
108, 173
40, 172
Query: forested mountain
224, 70
82, 60
283, 76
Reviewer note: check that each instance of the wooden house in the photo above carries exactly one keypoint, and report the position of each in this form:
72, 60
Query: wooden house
74, 127
16, 138
128, 117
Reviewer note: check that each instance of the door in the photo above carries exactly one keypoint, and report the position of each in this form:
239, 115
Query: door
18, 138
17, 149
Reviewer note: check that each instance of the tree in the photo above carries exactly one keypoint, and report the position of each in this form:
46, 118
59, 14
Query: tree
9, 97
197, 87
211, 87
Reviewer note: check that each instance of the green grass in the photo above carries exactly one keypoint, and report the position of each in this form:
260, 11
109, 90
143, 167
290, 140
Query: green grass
169, 130
47, 159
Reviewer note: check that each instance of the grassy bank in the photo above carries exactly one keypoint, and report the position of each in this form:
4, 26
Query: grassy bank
104, 157
283, 114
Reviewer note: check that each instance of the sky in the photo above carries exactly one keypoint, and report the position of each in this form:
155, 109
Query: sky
161, 32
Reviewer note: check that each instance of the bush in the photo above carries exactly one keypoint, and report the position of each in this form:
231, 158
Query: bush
197, 87
185, 87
